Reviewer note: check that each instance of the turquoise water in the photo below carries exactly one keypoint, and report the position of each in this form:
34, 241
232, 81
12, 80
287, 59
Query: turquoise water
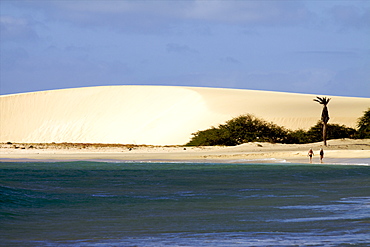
85, 203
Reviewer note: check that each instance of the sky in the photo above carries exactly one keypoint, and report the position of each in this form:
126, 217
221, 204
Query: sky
316, 47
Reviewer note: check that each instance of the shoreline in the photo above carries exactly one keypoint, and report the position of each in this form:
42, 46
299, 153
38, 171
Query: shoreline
338, 151
332, 162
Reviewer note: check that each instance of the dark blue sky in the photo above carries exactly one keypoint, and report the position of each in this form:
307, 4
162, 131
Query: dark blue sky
318, 47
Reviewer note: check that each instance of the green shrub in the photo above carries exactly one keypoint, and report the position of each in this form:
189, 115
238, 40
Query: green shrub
363, 126
245, 128
298, 137
334, 131
209, 137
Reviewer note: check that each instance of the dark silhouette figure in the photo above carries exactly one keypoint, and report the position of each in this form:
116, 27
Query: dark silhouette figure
321, 155
310, 154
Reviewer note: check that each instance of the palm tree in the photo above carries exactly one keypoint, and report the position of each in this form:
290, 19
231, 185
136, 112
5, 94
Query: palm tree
324, 115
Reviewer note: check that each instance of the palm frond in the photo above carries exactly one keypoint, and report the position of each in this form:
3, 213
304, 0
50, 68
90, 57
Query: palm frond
323, 101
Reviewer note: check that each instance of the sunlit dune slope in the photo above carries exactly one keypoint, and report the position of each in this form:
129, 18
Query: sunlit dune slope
157, 115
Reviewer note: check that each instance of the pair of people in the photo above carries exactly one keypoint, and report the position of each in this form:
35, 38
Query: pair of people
310, 154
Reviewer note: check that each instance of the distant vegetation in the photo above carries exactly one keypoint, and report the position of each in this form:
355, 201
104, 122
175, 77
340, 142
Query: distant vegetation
363, 125
314, 134
248, 128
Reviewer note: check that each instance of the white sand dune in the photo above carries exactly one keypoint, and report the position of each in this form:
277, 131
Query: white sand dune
155, 115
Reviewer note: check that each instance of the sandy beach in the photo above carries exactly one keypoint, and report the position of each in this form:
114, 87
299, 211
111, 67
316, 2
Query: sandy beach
338, 151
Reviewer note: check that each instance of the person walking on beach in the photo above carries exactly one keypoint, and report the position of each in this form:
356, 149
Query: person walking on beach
310, 154
321, 154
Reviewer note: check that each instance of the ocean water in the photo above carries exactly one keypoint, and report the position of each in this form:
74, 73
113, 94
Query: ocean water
85, 203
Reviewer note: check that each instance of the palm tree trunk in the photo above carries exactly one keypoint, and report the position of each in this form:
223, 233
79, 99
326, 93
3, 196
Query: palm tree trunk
324, 133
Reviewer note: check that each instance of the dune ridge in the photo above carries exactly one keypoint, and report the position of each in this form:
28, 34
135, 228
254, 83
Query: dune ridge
155, 115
